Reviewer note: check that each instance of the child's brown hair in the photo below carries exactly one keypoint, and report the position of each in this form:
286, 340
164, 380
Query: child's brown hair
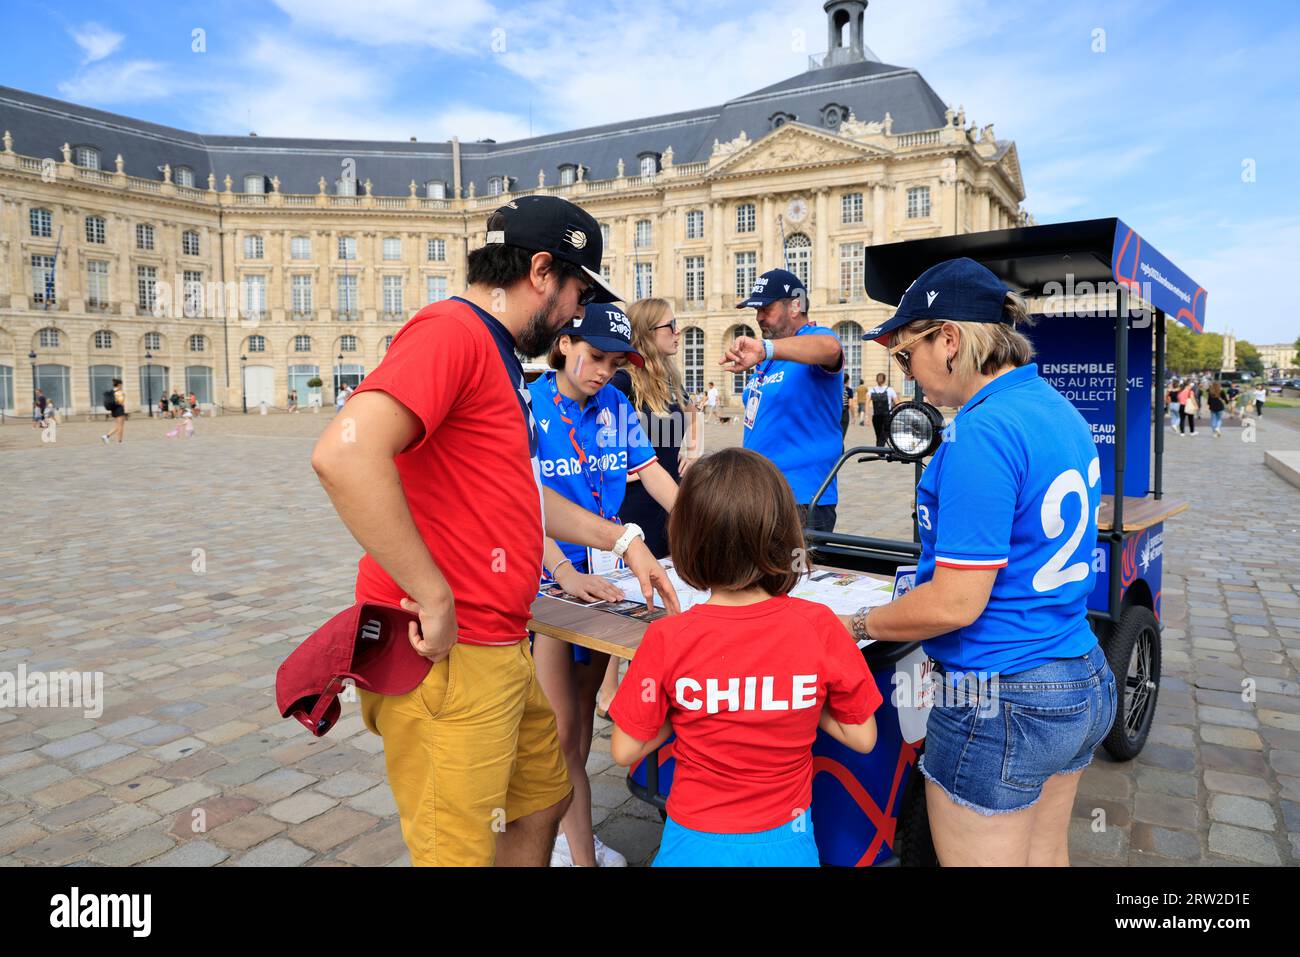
735, 525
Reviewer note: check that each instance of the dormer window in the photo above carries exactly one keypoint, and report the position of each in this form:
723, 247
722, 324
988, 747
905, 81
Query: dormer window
833, 114
435, 189
568, 174
345, 186
496, 185
183, 176
87, 157
649, 163
254, 183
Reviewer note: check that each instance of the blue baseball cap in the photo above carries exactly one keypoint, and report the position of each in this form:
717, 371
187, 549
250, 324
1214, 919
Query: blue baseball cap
773, 286
957, 290
607, 328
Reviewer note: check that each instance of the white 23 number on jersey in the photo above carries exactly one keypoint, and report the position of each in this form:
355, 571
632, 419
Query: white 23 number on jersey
1055, 572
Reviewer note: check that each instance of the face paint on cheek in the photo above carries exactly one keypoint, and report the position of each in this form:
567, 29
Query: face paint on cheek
577, 366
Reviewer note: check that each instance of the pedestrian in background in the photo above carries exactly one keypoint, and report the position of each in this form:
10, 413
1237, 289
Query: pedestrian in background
1174, 405
1216, 405
1188, 406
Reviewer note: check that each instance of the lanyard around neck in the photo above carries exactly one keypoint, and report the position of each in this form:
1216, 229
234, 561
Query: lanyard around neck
597, 488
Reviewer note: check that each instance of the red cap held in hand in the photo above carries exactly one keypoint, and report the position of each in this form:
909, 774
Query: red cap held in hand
368, 643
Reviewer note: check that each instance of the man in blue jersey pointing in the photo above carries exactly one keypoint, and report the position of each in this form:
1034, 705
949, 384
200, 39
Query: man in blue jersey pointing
792, 402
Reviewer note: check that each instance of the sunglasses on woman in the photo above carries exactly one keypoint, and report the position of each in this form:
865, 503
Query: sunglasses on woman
902, 351
670, 324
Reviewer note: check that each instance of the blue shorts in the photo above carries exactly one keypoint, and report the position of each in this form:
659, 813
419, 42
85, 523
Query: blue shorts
992, 744
789, 845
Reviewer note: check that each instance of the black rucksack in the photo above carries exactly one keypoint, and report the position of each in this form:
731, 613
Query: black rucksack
110, 399
880, 403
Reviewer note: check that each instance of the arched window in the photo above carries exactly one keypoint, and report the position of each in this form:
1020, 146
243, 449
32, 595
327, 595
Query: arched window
496, 185
103, 339
198, 344
302, 343
693, 359
649, 164
153, 340
257, 343
388, 341
347, 344
798, 256
48, 338
850, 336
568, 174
738, 379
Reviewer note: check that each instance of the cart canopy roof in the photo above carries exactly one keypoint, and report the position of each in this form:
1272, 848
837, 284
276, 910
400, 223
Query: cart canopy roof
1028, 259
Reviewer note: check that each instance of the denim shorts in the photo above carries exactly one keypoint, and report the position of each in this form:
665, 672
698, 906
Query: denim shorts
992, 745
787, 845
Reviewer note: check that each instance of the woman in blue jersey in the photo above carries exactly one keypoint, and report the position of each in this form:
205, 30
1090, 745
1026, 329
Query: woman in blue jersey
589, 442
1007, 517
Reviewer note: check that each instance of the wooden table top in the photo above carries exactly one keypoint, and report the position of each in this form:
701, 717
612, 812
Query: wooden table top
605, 631
1139, 513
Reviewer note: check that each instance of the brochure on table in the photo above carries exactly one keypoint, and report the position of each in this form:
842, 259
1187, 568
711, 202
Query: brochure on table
842, 592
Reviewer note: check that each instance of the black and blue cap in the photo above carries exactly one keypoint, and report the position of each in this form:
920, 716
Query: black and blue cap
607, 328
955, 290
551, 224
773, 286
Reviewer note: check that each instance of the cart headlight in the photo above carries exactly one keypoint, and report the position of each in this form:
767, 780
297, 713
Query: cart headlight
915, 429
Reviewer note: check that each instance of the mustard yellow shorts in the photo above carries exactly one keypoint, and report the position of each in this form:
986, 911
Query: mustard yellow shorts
471, 749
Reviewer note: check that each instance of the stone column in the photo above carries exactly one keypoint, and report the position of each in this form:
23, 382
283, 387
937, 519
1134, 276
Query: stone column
717, 264
878, 234
820, 293
770, 255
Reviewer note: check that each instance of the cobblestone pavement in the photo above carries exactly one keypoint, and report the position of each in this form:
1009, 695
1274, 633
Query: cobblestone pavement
186, 570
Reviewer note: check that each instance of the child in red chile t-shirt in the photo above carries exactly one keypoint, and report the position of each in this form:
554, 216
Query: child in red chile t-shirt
745, 679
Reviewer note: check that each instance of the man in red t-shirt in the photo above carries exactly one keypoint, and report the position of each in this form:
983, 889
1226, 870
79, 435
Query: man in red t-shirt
432, 465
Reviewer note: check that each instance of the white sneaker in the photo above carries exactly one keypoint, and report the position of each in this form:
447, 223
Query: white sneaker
104, 438
560, 856
606, 856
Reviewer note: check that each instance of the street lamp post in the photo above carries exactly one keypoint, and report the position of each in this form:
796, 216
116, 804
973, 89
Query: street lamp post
338, 378
243, 380
32, 356
148, 379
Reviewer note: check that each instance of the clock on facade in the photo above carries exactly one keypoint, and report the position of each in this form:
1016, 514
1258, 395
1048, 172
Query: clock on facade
796, 210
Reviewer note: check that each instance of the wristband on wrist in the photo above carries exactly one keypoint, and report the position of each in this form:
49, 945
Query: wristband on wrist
556, 570
859, 620
769, 348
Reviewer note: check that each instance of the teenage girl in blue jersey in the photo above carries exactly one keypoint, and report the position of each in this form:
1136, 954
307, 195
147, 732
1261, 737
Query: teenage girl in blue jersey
589, 441
1007, 517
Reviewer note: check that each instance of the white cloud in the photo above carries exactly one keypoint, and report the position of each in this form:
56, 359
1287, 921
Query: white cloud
472, 123
462, 27
131, 81
96, 41
1243, 266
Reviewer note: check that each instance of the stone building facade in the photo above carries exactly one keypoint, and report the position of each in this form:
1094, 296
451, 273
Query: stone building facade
243, 267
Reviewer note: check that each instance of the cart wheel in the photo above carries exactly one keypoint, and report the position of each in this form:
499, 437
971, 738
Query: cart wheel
1133, 651
912, 841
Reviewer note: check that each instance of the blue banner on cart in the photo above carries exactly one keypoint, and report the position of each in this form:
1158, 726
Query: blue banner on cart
1141, 560
1076, 355
1153, 278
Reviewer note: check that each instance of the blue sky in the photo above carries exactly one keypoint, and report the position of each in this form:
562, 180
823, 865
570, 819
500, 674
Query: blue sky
1154, 128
